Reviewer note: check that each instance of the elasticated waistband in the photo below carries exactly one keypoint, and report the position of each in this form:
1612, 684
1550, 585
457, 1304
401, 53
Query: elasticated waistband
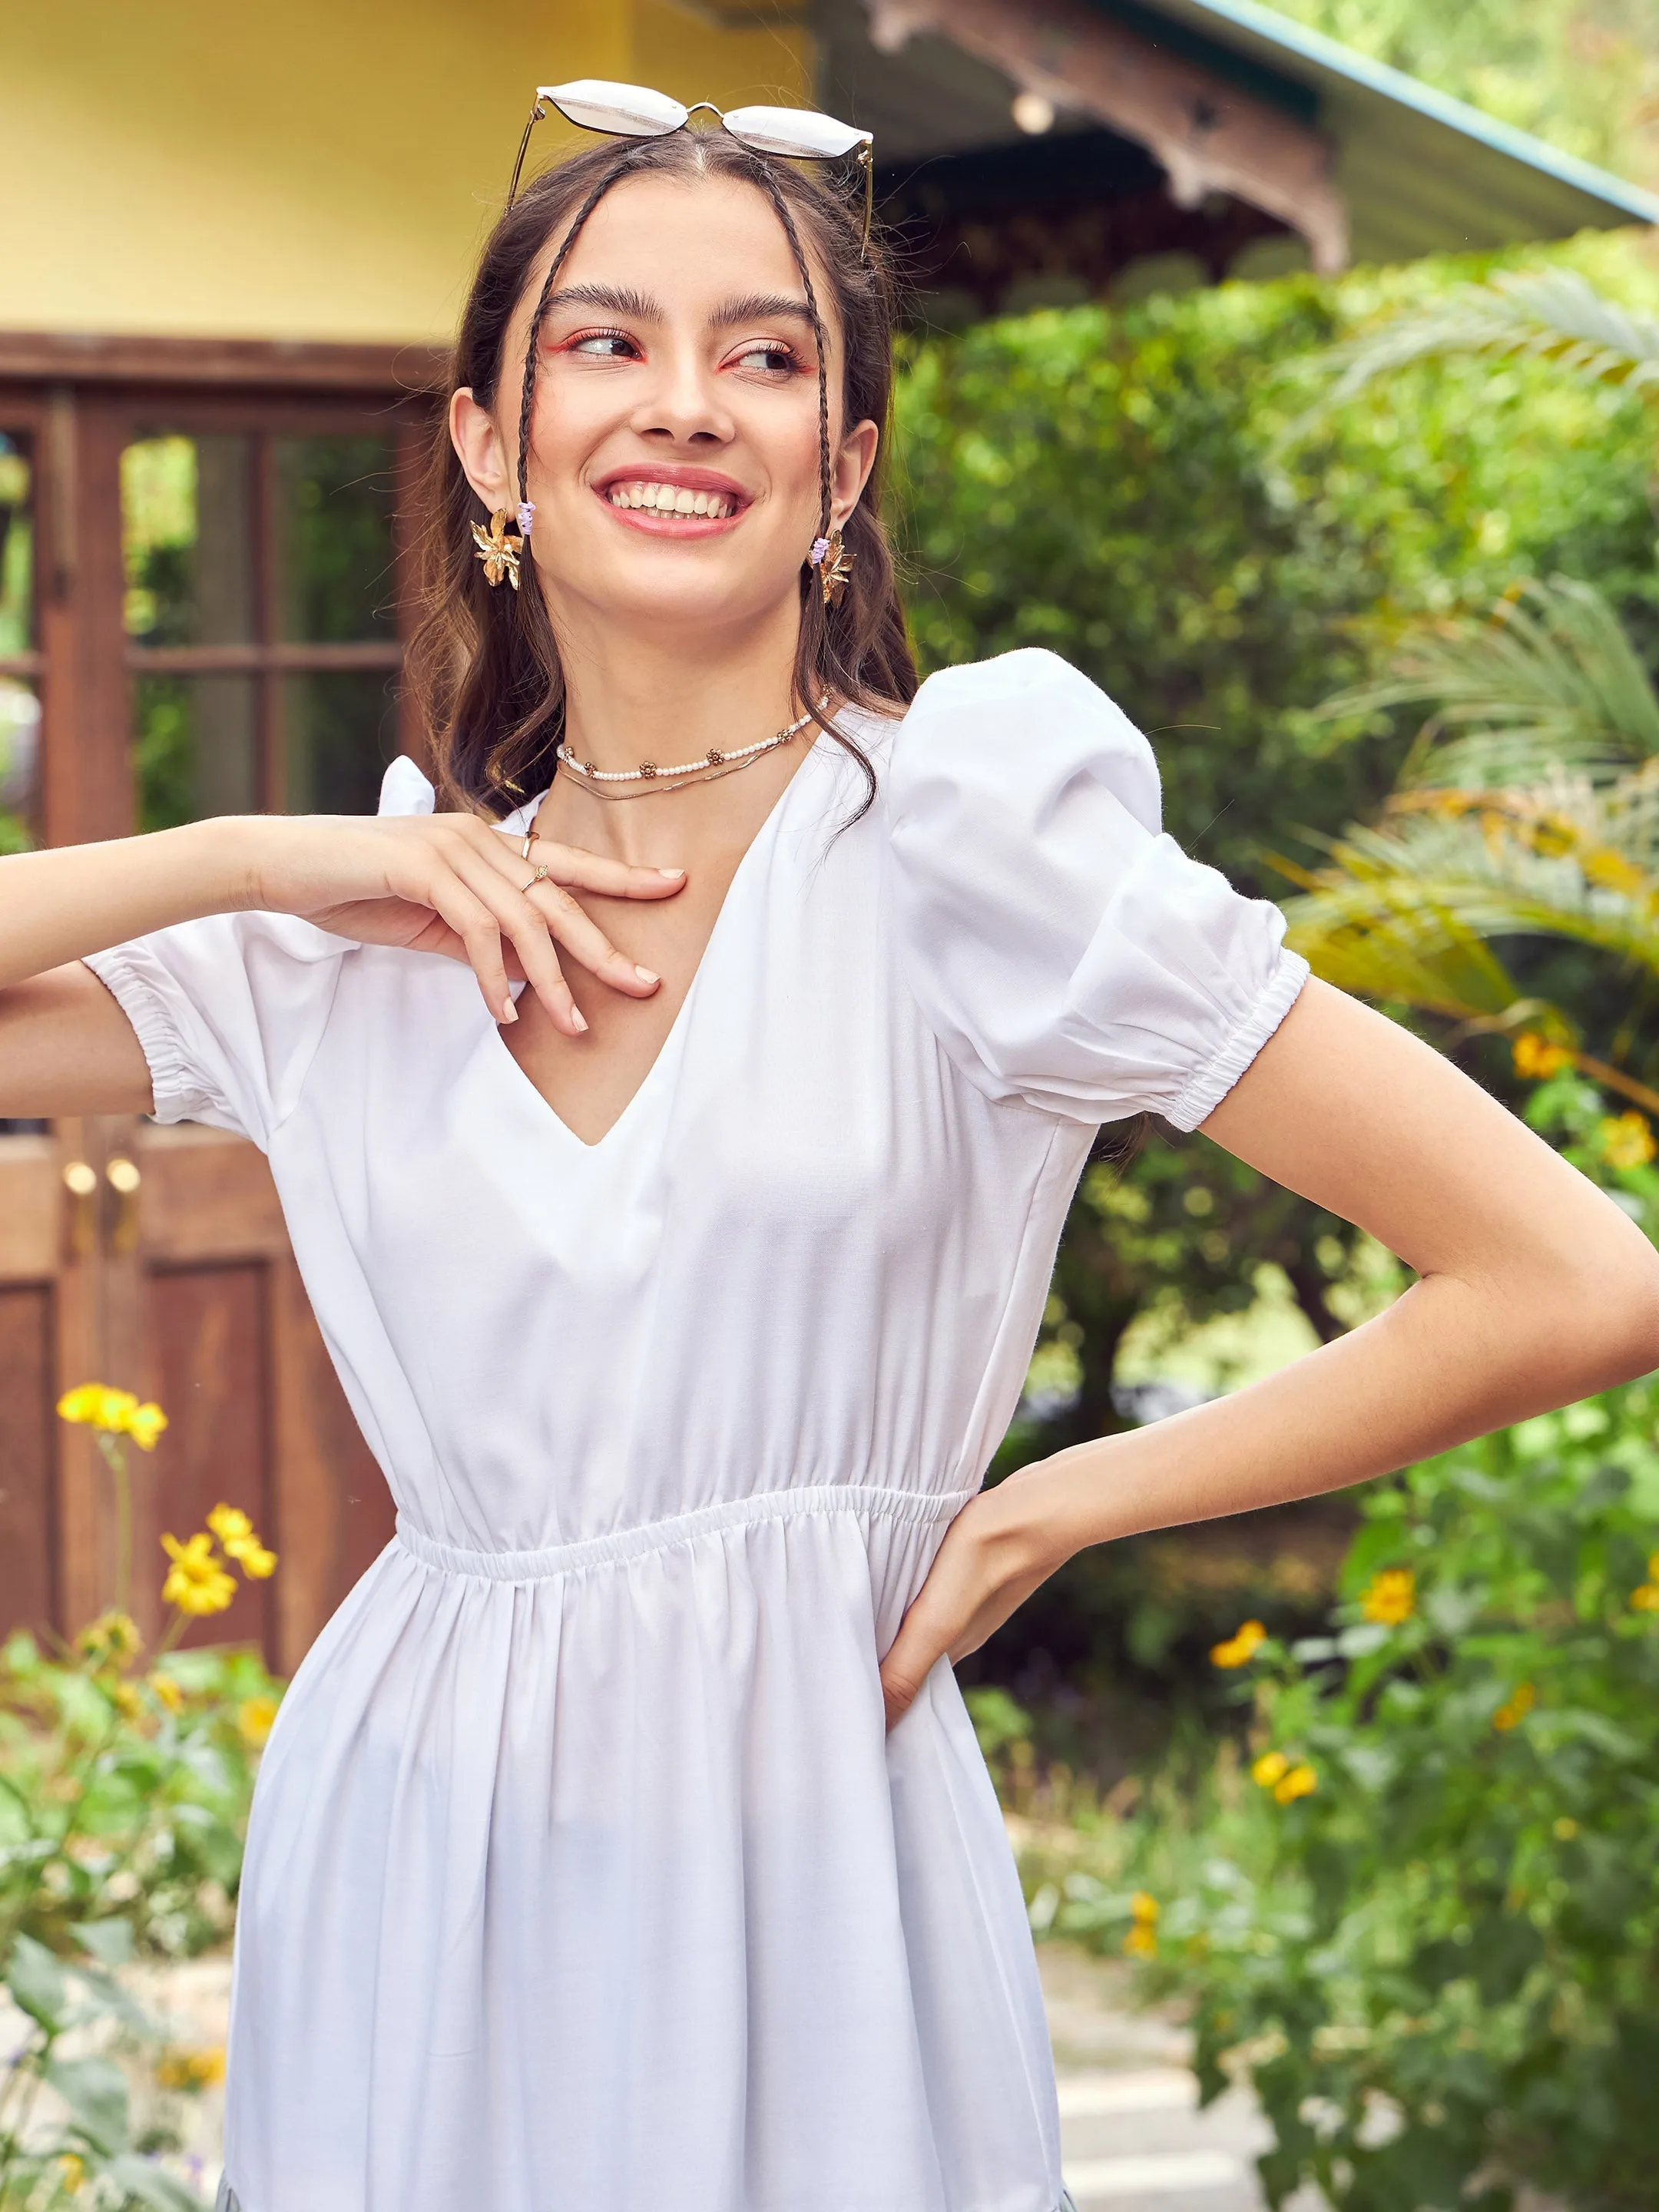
862, 1500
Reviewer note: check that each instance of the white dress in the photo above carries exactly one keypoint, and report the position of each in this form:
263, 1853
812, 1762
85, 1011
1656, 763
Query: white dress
582, 1876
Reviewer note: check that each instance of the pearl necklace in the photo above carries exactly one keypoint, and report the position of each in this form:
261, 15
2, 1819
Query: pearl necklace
713, 764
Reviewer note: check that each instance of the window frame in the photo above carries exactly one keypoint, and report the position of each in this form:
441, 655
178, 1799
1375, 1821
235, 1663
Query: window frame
81, 402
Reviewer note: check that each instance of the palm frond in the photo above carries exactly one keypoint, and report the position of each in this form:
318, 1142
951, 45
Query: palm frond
1408, 910
1550, 678
1550, 314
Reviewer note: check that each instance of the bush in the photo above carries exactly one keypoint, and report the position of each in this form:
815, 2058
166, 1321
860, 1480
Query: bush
1417, 1904
126, 1780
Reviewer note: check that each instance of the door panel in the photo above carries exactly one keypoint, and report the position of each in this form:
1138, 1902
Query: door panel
28, 1474
210, 1331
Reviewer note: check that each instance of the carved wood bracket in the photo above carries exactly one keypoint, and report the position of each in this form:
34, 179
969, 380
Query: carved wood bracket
1209, 135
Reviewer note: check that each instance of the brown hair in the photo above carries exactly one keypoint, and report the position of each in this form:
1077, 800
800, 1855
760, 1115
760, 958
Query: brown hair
483, 665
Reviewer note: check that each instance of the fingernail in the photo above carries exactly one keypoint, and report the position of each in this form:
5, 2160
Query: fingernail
509, 1011
577, 1022
676, 873
645, 976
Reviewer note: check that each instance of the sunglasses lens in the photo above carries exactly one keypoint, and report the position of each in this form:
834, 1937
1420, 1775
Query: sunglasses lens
798, 133
626, 111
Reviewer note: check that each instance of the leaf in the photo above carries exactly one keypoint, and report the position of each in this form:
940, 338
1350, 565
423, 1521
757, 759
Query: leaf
109, 1942
36, 1982
95, 2092
1552, 314
152, 2184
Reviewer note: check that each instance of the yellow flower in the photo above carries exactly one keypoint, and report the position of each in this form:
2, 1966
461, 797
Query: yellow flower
1521, 1699
255, 1717
117, 1413
95, 1405
186, 2068
1536, 1058
1644, 1598
111, 1640
144, 1424
1626, 1140
1564, 1830
1300, 1782
1240, 1648
71, 2172
1269, 1769
1390, 1597
1144, 1907
168, 1691
128, 1702
198, 1582
236, 1533
1142, 1942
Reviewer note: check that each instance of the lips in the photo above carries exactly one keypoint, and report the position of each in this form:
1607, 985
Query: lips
673, 501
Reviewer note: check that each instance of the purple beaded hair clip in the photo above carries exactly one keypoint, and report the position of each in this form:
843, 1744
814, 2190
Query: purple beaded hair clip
820, 547
526, 516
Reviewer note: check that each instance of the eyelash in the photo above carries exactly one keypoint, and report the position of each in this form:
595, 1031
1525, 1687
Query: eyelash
792, 362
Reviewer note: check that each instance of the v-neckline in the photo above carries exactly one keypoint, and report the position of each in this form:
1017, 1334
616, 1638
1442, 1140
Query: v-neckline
765, 834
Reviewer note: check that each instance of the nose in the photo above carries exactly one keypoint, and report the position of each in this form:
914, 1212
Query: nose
683, 402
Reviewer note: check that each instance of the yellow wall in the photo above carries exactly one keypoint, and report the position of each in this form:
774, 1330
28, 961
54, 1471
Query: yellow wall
303, 168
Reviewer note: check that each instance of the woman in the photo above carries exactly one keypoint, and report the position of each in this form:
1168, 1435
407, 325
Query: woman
684, 1286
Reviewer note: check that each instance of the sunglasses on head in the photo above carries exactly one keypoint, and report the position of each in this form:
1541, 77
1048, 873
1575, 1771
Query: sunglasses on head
633, 111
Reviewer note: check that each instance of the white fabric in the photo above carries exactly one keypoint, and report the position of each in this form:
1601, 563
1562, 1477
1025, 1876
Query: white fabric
582, 1873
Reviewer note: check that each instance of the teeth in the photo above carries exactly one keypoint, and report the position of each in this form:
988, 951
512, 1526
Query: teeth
671, 499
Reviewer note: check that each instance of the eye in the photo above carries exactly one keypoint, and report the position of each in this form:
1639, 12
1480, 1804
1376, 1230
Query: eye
772, 356
603, 345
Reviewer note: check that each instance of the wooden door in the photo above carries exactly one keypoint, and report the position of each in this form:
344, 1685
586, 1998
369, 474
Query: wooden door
156, 1259
203, 600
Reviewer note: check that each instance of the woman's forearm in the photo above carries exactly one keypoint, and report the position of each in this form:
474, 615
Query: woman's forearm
1447, 1362
57, 906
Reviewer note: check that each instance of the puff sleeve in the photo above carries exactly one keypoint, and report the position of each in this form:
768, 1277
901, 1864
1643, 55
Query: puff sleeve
230, 1009
1065, 951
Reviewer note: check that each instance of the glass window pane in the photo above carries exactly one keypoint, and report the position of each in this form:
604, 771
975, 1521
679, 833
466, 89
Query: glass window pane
195, 748
187, 526
20, 757
335, 548
16, 547
339, 732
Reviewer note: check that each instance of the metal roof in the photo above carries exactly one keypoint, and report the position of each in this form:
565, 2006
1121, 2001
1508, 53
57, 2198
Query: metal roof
1420, 173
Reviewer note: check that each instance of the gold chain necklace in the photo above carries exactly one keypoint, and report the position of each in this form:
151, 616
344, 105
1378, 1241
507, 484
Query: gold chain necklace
713, 764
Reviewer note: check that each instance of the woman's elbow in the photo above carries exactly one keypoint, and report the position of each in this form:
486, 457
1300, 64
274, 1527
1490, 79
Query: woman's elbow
1605, 1310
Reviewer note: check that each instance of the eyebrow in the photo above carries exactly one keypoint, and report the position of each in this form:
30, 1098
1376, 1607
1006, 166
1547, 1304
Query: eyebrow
615, 300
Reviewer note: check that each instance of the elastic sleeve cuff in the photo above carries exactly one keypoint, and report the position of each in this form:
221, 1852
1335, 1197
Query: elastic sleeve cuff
1203, 1090
178, 1094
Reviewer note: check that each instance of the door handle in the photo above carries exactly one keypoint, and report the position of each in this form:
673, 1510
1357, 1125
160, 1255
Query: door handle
81, 1182
122, 1177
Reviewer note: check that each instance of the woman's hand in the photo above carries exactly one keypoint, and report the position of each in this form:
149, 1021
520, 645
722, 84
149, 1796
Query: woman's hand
452, 885
999, 1547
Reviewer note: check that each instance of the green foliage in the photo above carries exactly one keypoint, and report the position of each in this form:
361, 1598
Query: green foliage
1441, 1962
1424, 1919
124, 1798
1147, 493
126, 1795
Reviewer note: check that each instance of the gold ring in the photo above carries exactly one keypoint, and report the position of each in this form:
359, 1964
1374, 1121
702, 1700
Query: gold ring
523, 849
539, 875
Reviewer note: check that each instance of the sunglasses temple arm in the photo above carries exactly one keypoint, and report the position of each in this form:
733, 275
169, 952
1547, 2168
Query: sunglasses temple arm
538, 109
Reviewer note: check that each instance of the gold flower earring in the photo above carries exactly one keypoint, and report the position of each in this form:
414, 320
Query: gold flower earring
833, 563
498, 549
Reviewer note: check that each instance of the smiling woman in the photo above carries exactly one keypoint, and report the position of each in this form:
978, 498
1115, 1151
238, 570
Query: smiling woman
674, 1112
